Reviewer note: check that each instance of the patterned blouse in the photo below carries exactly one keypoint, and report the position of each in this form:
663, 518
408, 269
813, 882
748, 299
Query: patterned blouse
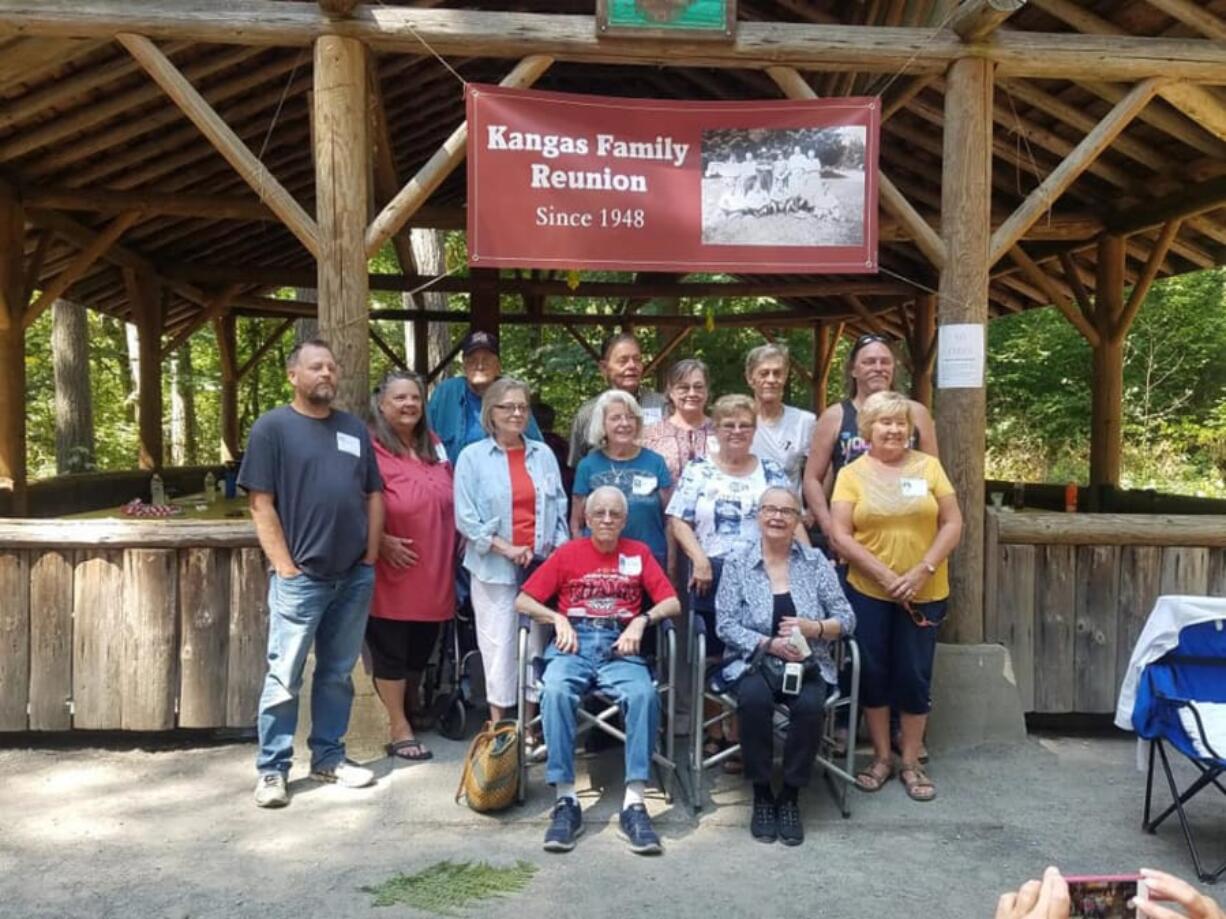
723, 508
744, 605
679, 445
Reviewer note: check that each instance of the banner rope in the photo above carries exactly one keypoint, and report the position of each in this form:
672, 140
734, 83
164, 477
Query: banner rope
922, 45
425, 44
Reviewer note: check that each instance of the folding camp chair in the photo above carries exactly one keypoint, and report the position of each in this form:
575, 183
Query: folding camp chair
603, 718
1181, 703
837, 765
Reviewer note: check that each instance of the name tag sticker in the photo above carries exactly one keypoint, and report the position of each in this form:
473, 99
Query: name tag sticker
629, 565
643, 484
913, 488
347, 443
652, 416
440, 452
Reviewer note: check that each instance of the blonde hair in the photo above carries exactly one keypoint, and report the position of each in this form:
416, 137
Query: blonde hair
733, 404
596, 436
885, 404
495, 393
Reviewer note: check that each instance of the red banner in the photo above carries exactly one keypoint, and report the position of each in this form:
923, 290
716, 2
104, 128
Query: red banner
565, 181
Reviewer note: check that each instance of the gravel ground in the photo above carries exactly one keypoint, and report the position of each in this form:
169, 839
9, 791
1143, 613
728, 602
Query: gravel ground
110, 830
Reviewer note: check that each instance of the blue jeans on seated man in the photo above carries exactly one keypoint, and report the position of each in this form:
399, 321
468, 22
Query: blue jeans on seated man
333, 615
627, 680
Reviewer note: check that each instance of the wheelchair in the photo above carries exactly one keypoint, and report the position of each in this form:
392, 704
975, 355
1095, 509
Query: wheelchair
837, 767
603, 719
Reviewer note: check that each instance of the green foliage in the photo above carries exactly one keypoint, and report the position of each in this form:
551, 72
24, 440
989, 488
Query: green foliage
447, 888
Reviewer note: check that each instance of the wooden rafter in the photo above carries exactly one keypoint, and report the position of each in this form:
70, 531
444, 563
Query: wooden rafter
1042, 198
854, 49
667, 348
228, 144
1145, 280
976, 20
1194, 15
77, 267
214, 311
1071, 311
387, 349
280, 330
403, 205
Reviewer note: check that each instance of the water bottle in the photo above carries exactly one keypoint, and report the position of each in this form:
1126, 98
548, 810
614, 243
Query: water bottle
210, 487
157, 491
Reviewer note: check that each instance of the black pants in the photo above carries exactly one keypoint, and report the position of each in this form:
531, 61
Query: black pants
756, 707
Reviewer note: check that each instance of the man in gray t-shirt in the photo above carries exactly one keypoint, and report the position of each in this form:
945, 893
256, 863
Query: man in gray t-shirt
316, 499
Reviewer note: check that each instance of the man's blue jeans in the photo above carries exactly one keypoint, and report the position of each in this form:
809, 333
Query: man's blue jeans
627, 680
333, 615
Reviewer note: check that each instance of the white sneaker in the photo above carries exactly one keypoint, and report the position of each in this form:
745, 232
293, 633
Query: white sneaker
270, 790
345, 773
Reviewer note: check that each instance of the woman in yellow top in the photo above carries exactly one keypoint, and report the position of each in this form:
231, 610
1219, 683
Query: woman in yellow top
895, 519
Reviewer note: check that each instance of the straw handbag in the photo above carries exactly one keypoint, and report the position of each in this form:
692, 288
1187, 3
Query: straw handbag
491, 768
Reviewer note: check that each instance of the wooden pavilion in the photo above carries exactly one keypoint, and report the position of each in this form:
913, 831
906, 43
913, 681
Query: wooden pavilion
172, 162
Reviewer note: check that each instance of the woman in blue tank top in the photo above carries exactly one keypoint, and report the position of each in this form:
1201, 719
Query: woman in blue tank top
837, 441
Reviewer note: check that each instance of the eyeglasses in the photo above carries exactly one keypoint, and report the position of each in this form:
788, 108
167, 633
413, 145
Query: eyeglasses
919, 618
777, 510
733, 427
691, 387
512, 408
606, 514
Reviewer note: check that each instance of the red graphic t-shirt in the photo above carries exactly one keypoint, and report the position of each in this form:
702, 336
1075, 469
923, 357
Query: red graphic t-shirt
588, 582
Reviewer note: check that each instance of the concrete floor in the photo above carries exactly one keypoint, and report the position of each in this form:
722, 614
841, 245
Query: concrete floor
101, 831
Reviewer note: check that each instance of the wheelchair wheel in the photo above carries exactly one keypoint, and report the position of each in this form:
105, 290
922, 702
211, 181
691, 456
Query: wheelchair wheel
453, 718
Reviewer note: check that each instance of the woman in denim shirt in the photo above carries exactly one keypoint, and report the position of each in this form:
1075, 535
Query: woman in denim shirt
769, 590
511, 508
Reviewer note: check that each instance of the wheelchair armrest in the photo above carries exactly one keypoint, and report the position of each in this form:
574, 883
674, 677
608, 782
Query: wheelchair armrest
667, 627
699, 626
525, 622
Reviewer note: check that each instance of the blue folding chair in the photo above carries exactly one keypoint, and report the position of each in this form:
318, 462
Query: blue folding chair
1181, 702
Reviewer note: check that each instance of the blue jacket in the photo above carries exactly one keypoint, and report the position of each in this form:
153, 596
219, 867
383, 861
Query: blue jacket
447, 413
483, 506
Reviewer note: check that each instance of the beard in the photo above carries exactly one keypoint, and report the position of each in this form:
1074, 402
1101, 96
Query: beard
322, 394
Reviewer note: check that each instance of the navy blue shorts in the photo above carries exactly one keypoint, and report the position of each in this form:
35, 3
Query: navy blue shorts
895, 654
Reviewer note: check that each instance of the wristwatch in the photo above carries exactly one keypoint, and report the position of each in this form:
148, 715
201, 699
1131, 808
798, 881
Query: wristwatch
645, 617
928, 566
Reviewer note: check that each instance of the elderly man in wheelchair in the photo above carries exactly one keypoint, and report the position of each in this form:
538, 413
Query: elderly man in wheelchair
597, 585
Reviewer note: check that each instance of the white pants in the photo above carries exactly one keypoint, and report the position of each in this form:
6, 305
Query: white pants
497, 637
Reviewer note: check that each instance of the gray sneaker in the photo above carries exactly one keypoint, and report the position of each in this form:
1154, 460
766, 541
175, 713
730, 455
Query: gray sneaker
345, 773
270, 790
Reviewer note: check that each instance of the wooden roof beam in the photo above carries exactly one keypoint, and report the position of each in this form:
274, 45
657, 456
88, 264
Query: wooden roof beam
228, 144
976, 20
1145, 280
1194, 15
1072, 311
397, 211
856, 49
79, 265
1070, 168
1187, 202
215, 310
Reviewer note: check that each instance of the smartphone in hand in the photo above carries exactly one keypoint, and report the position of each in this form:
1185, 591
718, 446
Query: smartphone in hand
1104, 896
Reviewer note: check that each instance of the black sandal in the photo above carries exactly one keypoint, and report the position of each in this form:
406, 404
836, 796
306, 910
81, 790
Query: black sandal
412, 750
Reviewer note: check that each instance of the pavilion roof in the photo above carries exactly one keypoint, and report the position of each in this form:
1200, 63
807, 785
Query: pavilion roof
94, 145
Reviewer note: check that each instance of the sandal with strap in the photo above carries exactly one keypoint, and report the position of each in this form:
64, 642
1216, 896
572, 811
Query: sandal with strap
919, 786
874, 776
412, 750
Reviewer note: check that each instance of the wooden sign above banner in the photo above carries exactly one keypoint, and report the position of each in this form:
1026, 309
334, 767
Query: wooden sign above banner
567, 181
682, 19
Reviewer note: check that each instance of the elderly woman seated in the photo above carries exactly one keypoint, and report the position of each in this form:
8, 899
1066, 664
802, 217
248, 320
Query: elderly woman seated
778, 608
596, 586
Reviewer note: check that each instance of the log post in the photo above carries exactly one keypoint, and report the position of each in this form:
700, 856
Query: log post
12, 350
961, 414
145, 298
922, 344
1106, 416
342, 156
227, 345
485, 300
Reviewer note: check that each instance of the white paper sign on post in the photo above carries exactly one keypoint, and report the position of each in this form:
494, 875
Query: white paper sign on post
960, 356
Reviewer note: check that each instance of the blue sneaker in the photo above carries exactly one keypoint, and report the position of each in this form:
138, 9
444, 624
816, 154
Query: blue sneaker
566, 823
636, 829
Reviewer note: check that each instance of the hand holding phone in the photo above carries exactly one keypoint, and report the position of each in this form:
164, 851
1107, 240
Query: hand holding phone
1104, 896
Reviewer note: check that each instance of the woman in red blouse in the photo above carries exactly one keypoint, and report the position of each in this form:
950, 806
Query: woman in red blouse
414, 577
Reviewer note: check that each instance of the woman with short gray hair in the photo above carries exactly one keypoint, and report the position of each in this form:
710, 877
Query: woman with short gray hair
616, 459
511, 508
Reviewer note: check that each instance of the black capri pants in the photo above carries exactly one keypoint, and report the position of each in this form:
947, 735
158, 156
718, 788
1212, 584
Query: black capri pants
399, 647
896, 653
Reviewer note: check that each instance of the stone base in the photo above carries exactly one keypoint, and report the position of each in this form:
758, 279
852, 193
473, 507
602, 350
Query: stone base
975, 698
367, 721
